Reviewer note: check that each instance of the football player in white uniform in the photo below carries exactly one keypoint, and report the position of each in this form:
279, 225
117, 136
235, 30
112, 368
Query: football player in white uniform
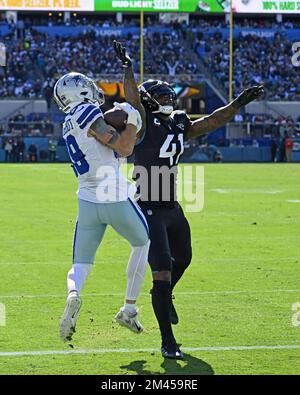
103, 194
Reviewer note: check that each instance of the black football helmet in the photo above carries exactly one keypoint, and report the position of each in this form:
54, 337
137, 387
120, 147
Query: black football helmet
150, 91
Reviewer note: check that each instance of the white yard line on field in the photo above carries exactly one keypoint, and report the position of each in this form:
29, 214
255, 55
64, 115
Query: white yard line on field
132, 351
247, 190
195, 293
202, 260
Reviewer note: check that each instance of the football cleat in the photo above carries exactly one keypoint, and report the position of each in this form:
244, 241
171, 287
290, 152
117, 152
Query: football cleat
173, 314
68, 321
129, 320
171, 352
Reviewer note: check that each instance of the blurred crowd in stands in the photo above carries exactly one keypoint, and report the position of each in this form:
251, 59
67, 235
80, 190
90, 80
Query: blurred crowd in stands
36, 60
278, 133
34, 64
33, 125
129, 20
274, 69
279, 138
15, 150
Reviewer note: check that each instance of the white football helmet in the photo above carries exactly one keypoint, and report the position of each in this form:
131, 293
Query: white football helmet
75, 88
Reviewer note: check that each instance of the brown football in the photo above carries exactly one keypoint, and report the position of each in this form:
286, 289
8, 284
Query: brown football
116, 118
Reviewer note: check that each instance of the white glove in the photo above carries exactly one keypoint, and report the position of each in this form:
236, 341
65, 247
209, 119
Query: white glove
134, 117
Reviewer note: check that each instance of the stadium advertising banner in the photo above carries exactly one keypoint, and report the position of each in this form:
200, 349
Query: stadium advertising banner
162, 5
266, 6
205, 6
47, 5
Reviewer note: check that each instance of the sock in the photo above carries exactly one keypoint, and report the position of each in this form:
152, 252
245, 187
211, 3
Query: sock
71, 293
136, 270
130, 307
77, 276
161, 302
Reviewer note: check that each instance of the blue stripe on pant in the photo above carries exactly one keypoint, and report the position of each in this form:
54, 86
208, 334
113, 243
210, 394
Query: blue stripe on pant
74, 240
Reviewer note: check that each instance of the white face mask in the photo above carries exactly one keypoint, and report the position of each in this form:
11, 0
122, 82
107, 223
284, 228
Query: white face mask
165, 110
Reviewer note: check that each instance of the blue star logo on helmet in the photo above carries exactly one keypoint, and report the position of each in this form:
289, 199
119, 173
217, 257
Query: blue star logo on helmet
77, 79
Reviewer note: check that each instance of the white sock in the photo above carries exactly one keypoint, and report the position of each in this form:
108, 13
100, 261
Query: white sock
130, 307
136, 270
77, 276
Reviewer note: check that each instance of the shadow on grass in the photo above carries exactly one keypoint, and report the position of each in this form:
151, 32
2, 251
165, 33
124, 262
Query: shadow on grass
189, 365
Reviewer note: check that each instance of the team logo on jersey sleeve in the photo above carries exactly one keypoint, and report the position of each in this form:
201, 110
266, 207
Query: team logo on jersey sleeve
180, 126
157, 122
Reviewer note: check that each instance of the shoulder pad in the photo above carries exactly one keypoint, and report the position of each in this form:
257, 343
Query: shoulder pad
177, 113
85, 114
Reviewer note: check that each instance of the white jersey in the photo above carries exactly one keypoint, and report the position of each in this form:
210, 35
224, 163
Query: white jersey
95, 165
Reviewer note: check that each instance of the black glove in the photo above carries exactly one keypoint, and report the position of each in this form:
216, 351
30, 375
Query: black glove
121, 54
248, 95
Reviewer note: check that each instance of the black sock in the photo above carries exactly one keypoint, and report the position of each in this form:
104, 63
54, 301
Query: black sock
161, 302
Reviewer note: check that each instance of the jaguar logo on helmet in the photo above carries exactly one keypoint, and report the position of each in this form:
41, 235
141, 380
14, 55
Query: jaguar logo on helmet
74, 88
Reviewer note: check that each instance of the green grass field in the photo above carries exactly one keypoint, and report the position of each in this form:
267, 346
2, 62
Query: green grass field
235, 301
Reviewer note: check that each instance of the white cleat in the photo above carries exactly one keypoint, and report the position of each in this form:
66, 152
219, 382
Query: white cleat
69, 318
129, 320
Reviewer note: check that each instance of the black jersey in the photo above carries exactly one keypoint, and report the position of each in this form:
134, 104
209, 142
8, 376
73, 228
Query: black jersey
157, 154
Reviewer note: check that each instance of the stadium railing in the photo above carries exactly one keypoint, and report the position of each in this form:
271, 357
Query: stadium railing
256, 130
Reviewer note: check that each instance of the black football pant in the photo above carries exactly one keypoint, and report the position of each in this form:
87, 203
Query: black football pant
170, 236
170, 250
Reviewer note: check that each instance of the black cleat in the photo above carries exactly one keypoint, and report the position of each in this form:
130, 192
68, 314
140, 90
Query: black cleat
173, 313
171, 352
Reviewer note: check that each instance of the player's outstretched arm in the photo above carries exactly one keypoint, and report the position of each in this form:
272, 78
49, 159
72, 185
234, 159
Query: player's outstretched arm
224, 114
130, 87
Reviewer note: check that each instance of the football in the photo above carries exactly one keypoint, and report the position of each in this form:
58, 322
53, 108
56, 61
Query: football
116, 118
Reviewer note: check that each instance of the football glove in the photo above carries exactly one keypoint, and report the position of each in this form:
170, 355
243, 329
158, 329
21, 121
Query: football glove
248, 95
121, 54
134, 116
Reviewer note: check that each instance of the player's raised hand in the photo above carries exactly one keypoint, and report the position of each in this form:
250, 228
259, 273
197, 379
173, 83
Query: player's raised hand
250, 94
121, 53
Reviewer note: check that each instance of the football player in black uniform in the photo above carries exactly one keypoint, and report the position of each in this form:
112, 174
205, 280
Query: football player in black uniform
160, 146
